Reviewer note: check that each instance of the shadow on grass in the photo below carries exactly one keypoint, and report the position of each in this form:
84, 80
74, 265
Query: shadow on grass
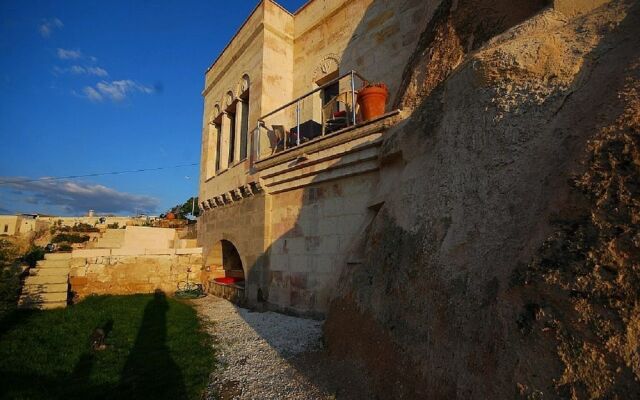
111, 363
150, 371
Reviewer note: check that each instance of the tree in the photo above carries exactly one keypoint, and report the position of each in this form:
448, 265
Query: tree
182, 210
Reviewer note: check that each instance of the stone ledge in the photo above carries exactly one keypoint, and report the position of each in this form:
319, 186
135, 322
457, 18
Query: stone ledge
381, 123
192, 250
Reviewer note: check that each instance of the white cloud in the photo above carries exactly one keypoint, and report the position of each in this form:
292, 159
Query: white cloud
77, 197
47, 26
92, 94
80, 70
65, 54
115, 90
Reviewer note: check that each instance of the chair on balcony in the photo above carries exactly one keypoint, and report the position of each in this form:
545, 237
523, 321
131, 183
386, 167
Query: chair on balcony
280, 135
333, 117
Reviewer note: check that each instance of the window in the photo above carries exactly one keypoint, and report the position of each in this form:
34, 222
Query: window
232, 134
6, 228
244, 118
330, 92
218, 145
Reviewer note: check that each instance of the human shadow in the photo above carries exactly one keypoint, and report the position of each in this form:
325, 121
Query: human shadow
150, 372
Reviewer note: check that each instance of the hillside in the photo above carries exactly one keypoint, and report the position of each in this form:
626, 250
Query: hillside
504, 261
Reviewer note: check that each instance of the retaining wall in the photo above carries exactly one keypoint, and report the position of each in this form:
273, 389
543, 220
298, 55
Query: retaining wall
113, 271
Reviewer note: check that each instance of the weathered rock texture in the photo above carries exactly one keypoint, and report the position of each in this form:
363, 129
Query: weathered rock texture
506, 261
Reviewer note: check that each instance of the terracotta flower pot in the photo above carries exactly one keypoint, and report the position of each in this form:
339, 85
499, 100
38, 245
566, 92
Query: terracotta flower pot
372, 101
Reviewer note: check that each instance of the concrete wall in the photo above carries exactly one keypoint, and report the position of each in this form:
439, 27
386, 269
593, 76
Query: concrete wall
128, 274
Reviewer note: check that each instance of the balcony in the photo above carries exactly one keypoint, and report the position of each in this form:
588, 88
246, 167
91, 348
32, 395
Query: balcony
329, 110
318, 137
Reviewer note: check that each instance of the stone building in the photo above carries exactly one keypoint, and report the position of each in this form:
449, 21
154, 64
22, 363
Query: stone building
289, 169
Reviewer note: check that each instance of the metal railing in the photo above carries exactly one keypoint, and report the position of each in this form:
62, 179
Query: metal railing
327, 109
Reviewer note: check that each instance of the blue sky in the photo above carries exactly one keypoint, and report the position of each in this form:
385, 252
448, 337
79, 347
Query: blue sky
89, 87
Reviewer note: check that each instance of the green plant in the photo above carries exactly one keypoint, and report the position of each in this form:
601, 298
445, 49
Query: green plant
82, 227
65, 247
33, 255
381, 85
114, 225
69, 238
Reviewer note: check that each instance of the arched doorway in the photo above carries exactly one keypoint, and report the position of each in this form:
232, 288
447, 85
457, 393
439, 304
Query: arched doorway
225, 266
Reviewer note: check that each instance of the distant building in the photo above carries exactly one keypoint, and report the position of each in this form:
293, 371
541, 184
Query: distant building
13, 225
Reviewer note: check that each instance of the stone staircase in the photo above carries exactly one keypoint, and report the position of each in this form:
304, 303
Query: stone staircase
47, 285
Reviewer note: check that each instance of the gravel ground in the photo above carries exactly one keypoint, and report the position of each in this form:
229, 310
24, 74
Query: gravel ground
273, 356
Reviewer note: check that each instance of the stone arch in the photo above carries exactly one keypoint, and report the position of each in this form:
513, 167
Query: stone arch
224, 260
228, 98
243, 85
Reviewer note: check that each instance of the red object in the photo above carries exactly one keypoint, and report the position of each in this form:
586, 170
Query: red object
227, 280
339, 114
372, 101
170, 216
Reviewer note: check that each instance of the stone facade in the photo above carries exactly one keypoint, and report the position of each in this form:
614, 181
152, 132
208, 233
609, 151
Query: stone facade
293, 216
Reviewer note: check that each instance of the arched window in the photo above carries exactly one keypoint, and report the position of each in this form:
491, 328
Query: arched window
231, 112
244, 116
218, 134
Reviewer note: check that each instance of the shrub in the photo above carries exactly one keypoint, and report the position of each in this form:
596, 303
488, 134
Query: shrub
65, 247
82, 227
115, 225
69, 238
33, 255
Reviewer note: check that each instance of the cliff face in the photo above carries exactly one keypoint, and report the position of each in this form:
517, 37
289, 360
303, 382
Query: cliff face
505, 262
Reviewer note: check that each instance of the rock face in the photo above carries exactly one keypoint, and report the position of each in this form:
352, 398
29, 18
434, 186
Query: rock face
506, 262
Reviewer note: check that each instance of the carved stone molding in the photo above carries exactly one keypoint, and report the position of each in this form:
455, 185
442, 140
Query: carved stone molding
329, 64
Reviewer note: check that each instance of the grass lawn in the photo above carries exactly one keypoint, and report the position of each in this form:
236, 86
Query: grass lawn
156, 349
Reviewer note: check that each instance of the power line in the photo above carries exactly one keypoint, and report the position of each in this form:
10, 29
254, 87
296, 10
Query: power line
56, 178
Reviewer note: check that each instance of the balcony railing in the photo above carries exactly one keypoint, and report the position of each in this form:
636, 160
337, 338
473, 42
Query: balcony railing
326, 110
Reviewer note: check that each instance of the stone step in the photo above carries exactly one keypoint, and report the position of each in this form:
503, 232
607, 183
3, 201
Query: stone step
30, 288
53, 271
46, 279
31, 298
28, 302
57, 256
52, 263
52, 305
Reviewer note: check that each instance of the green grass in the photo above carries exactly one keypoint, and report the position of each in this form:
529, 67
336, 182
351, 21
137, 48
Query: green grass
156, 349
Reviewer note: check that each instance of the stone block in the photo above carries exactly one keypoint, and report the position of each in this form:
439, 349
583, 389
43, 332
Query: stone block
191, 250
86, 253
128, 251
163, 251
76, 281
77, 262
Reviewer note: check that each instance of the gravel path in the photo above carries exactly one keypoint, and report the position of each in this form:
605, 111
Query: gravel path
273, 356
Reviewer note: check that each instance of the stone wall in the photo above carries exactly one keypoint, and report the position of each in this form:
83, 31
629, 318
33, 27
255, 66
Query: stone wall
243, 224
312, 231
113, 272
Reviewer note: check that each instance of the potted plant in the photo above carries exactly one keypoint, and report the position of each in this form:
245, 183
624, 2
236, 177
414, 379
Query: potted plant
372, 99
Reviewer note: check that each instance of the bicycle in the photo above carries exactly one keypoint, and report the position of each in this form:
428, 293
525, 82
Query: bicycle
188, 289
